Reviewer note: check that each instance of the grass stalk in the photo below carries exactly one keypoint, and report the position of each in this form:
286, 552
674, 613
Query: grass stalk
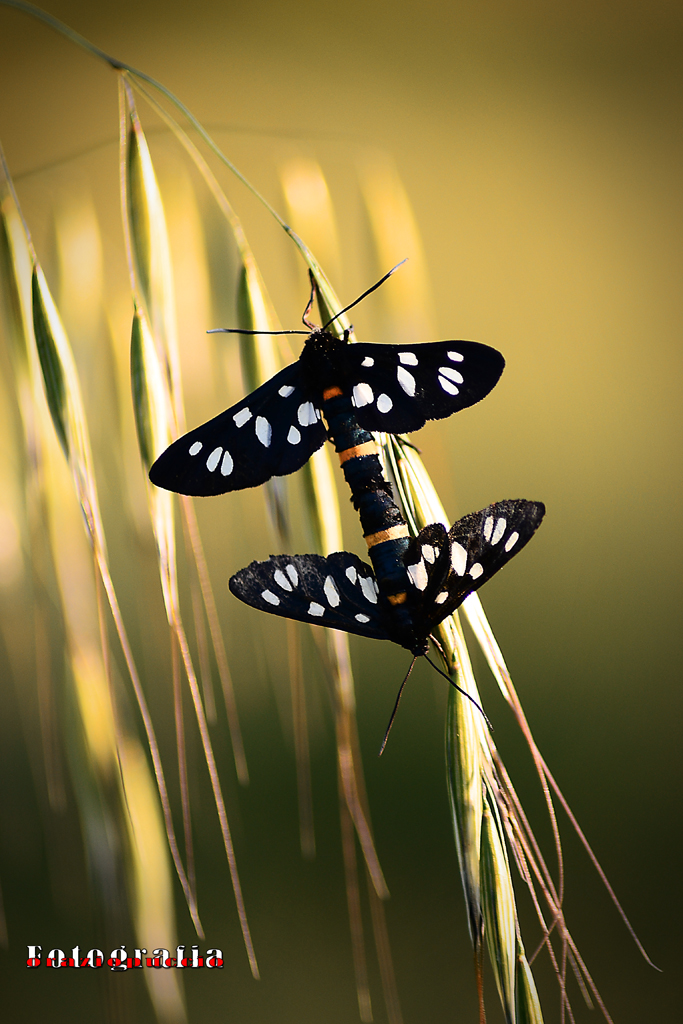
47, 358
182, 766
159, 410
484, 869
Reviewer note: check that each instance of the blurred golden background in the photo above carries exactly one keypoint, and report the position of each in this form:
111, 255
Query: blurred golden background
540, 149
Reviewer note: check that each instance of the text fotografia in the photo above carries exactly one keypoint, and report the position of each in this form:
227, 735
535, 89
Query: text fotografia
120, 960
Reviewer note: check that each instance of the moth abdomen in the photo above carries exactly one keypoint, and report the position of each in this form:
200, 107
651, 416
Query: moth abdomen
390, 573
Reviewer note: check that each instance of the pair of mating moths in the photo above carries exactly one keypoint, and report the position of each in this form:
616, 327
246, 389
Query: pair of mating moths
343, 392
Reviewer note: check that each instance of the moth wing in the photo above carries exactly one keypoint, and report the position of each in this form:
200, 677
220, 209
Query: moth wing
339, 591
478, 545
427, 564
272, 432
397, 388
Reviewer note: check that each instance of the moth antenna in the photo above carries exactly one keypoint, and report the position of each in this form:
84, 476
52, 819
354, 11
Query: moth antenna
393, 713
364, 295
460, 690
406, 443
309, 306
239, 330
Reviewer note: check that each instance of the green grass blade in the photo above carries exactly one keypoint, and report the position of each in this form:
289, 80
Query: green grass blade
55, 362
150, 252
528, 1006
141, 405
464, 772
498, 904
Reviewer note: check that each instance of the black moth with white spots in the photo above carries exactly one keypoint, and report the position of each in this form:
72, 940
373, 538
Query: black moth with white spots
442, 568
276, 429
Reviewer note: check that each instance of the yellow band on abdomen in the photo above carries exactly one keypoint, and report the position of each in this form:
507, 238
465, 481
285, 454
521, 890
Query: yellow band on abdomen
393, 533
367, 448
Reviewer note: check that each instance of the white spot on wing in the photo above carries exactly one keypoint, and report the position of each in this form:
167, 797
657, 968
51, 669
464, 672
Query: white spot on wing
406, 380
351, 573
499, 530
331, 592
384, 403
362, 395
316, 609
196, 448
418, 575
227, 463
264, 431
368, 361
362, 618
293, 436
440, 598
408, 358
476, 571
455, 356
448, 386
366, 585
428, 553
282, 580
214, 458
293, 575
488, 527
306, 414
286, 390
458, 558
242, 417
511, 541
453, 375
270, 597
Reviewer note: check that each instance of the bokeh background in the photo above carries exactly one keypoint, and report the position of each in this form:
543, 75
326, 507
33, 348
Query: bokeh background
540, 148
